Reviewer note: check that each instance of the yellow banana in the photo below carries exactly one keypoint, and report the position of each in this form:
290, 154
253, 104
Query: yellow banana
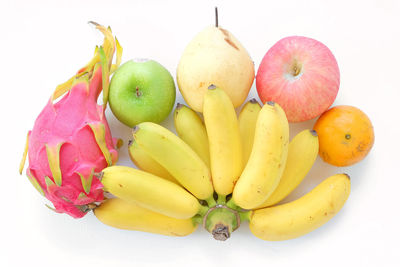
303, 150
303, 215
247, 125
224, 139
146, 163
190, 128
125, 215
176, 157
267, 159
150, 192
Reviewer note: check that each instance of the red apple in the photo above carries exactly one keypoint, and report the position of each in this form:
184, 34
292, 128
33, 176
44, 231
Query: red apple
300, 74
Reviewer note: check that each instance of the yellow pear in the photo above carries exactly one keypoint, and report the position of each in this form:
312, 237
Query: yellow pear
214, 56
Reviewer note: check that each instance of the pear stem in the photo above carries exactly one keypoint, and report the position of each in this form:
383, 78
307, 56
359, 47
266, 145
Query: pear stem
216, 17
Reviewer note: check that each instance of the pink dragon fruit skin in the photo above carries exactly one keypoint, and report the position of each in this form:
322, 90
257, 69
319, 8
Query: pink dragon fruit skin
71, 138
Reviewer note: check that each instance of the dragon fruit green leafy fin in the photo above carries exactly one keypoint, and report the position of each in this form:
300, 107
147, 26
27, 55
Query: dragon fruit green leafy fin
105, 75
86, 181
22, 164
71, 137
99, 132
53, 156
35, 183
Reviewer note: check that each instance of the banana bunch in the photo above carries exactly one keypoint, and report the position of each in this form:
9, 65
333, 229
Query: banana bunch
219, 173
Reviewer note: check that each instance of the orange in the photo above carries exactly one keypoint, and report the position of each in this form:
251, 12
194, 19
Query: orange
346, 135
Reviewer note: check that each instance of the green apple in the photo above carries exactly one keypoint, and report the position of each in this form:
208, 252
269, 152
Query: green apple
141, 90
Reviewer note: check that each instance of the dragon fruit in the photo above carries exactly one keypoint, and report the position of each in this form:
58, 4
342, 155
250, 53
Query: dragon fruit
71, 139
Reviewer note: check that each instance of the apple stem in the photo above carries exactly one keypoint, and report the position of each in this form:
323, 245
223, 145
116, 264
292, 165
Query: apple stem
296, 68
138, 92
216, 17
296, 71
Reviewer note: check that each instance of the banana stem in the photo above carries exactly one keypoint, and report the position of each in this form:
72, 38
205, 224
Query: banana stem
232, 205
245, 215
203, 210
221, 199
221, 221
211, 202
197, 219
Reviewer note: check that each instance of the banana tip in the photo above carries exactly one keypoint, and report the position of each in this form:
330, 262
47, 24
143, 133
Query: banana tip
253, 101
314, 133
99, 175
348, 176
271, 103
135, 129
212, 87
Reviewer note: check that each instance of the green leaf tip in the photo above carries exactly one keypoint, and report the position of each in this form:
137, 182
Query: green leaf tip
105, 73
53, 157
86, 181
35, 183
99, 132
49, 182
22, 163
51, 208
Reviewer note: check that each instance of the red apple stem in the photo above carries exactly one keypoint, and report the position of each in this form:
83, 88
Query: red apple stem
296, 68
216, 17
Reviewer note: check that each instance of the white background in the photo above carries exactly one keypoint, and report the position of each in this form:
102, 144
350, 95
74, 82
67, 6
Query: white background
44, 42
